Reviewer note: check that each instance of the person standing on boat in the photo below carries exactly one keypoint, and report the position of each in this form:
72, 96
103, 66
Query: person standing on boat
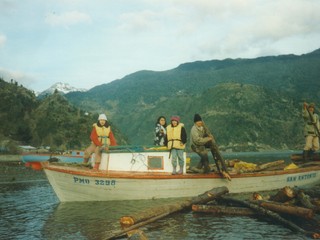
311, 131
175, 140
101, 138
200, 140
160, 131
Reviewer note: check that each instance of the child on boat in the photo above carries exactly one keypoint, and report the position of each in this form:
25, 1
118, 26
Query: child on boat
101, 138
176, 142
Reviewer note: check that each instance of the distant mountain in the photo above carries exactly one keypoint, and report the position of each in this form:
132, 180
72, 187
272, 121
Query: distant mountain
246, 102
62, 88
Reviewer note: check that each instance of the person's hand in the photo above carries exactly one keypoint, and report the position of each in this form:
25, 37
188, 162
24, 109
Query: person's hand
106, 148
305, 105
210, 138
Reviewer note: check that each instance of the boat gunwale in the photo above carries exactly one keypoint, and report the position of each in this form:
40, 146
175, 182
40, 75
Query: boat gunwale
165, 175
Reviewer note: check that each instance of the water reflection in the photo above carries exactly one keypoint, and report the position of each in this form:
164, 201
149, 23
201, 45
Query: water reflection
31, 210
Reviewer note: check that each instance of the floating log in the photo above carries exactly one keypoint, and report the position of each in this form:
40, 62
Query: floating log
282, 208
283, 195
132, 222
171, 208
240, 211
273, 215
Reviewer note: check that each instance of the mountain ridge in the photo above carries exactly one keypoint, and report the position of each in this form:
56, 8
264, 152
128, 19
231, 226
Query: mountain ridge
140, 96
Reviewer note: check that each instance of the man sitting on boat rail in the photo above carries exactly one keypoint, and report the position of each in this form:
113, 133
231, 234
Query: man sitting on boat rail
101, 138
311, 131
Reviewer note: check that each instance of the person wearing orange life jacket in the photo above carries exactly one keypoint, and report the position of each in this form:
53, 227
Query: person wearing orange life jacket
101, 138
175, 140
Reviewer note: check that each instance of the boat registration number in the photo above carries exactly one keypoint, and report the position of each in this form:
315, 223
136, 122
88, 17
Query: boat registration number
107, 182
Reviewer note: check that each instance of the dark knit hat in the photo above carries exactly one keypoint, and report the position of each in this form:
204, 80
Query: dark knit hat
197, 118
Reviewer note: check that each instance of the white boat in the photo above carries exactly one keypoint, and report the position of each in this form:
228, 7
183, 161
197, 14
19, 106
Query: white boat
146, 174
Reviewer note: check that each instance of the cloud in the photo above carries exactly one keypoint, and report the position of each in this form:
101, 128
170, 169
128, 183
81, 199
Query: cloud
67, 19
3, 40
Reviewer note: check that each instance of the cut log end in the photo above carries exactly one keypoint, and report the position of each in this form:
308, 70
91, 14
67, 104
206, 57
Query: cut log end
126, 221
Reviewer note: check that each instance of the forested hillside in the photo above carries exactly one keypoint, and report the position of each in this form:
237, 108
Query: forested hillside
52, 121
248, 103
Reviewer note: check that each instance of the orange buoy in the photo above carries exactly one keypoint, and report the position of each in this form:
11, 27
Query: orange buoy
36, 166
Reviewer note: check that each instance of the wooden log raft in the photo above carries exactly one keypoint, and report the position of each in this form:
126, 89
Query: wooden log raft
132, 222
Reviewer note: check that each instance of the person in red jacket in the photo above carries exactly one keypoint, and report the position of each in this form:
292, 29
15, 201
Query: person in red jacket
101, 138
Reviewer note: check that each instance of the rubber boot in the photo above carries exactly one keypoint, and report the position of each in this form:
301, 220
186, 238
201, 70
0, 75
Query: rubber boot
200, 164
206, 167
174, 172
180, 170
305, 155
311, 154
96, 166
85, 161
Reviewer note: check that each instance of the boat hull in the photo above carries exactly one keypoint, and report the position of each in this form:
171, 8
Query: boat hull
72, 184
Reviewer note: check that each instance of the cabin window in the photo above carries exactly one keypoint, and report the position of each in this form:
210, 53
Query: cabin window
155, 163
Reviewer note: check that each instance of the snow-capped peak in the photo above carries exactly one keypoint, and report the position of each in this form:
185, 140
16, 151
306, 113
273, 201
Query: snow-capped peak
63, 88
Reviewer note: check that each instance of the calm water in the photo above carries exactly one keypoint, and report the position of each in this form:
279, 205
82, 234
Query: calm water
29, 209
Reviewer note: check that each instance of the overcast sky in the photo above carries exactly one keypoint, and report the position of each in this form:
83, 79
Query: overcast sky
90, 42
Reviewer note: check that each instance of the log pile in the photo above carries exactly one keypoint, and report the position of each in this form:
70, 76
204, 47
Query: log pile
235, 166
285, 204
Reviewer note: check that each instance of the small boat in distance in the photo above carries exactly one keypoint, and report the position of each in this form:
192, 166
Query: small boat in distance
33, 159
132, 174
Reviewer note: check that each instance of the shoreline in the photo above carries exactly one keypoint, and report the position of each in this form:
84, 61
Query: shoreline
10, 158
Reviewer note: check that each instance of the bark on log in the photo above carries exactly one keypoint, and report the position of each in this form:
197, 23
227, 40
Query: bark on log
240, 211
273, 215
283, 195
282, 208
